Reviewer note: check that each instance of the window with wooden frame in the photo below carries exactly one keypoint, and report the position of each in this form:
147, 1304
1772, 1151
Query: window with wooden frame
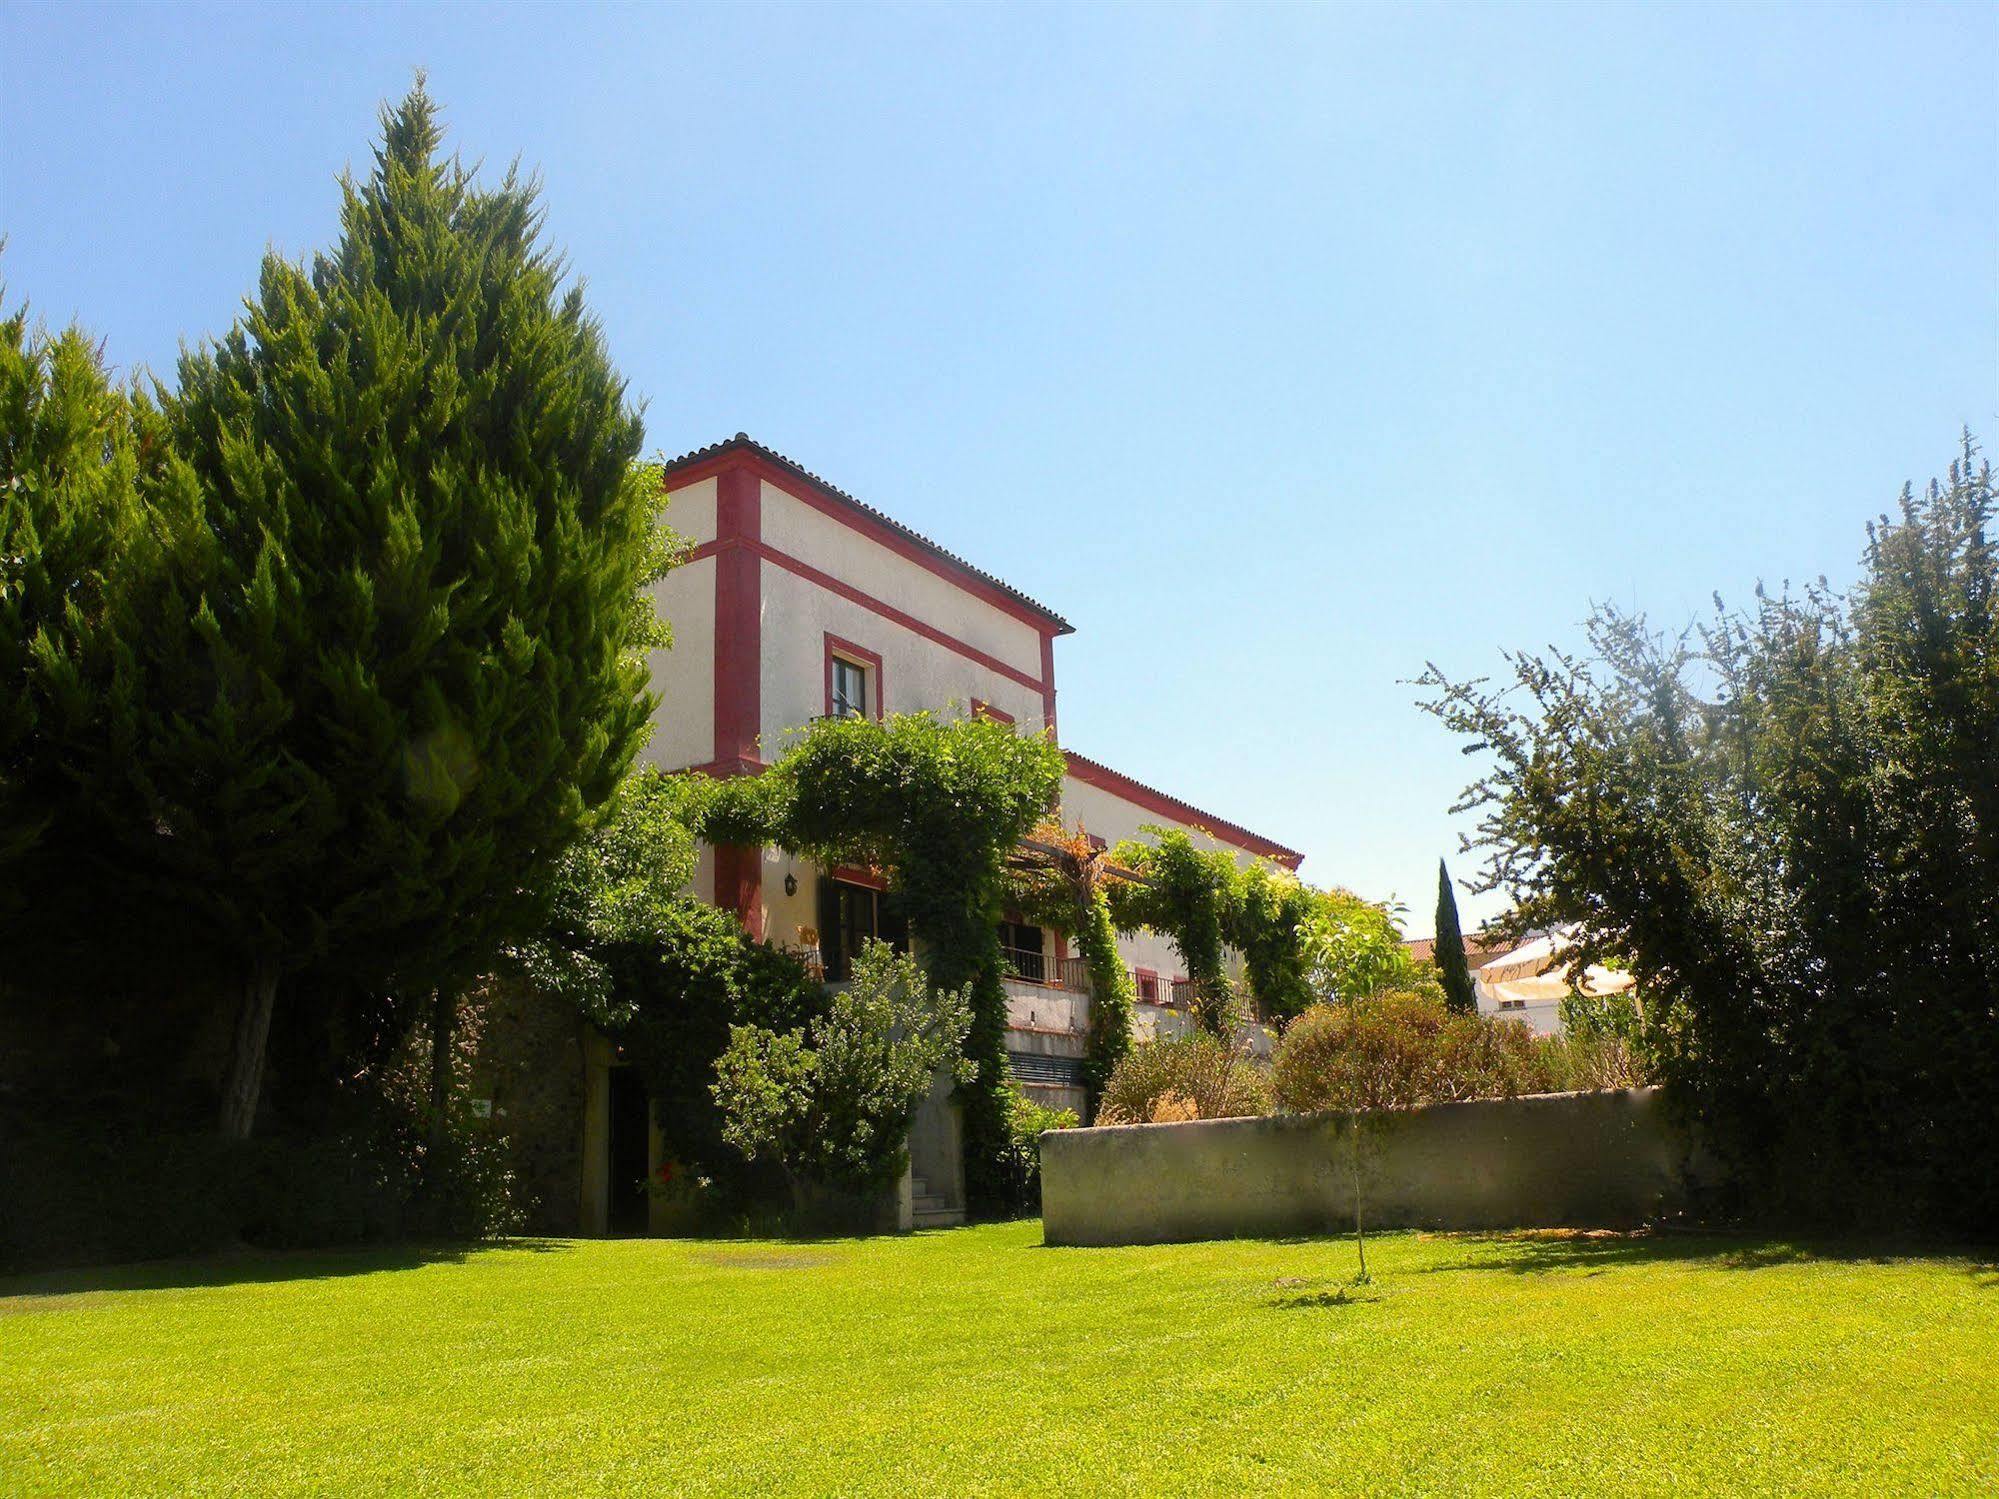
853, 680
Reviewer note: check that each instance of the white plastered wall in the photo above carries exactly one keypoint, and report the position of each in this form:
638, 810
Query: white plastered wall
1107, 815
683, 678
917, 672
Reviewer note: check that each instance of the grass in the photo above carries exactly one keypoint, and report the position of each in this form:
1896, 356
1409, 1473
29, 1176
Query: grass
976, 1360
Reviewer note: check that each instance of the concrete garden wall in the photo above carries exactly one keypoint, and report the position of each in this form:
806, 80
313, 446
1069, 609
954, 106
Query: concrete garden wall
1562, 1159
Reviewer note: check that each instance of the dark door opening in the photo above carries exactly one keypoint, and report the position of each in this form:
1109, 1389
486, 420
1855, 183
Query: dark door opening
631, 1149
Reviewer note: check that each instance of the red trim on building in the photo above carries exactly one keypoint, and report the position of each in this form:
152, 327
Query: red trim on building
742, 452
894, 615
1138, 980
1091, 773
854, 874
860, 655
874, 605
738, 675
739, 884
1048, 686
983, 709
738, 615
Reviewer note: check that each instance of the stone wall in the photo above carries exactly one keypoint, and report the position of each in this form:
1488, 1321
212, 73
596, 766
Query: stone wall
1564, 1159
530, 1075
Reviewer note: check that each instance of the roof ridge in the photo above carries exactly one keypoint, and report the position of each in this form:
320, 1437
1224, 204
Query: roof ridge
743, 440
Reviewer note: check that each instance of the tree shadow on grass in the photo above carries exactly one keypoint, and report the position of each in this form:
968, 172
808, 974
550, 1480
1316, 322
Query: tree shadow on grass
1596, 1252
23, 1291
1303, 1294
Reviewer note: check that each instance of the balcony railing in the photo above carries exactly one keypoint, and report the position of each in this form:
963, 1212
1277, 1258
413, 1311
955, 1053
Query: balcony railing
1032, 967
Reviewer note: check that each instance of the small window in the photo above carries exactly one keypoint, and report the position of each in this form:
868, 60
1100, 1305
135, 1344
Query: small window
1148, 987
850, 688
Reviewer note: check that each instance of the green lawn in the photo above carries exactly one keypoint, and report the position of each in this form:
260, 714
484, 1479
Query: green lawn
976, 1360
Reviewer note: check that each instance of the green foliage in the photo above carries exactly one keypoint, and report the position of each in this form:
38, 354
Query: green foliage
1354, 947
1298, 943
1027, 1121
938, 807
1270, 925
83, 1185
618, 887
1453, 968
69, 511
1788, 822
1197, 1076
1065, 888
678, 996
1113, 994
387, 660
1190, 893
831, 1105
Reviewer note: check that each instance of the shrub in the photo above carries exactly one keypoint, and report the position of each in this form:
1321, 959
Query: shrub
1186, 1077
683, 991
1027, 1121
1404, 1048
831, 1106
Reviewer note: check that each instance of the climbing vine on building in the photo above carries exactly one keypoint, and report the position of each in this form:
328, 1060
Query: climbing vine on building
1065, 886
938, 807
1190, 894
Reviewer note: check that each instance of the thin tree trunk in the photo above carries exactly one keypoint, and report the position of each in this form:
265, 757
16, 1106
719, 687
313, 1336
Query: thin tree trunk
443, 1012
245, 1080
1359, 1233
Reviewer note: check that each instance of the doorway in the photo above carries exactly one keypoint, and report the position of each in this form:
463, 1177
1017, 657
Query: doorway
628, 1204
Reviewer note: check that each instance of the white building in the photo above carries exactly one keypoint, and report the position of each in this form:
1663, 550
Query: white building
798, 601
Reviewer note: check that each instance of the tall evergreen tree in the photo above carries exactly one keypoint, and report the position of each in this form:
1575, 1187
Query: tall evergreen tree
1453, 968
387, 666
68, 508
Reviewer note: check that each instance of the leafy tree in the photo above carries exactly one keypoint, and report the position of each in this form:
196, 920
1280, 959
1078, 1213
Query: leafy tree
664, 975
1453, 969
832, 1104
390, 663
1354, 947
1787, 821
617, 888
1269, 925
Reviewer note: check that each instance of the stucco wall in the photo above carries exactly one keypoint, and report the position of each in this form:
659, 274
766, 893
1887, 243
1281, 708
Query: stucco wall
683, 678
793, 527
1565, 1159
1106, 815
916, 672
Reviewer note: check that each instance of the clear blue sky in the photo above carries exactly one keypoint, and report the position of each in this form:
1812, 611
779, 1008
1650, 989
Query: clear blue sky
1281, 350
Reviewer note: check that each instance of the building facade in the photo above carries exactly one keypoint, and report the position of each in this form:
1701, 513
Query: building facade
798, 601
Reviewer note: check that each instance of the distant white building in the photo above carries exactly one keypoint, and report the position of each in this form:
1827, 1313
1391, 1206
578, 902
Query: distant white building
1529, 982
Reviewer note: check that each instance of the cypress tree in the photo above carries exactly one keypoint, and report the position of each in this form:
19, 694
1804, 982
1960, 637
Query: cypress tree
1453, 969
68, 509
386, 668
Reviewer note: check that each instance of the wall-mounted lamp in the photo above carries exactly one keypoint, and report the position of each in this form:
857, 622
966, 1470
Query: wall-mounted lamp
791, 884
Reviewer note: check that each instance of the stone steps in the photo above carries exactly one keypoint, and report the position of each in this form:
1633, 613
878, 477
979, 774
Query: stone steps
928, 1210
